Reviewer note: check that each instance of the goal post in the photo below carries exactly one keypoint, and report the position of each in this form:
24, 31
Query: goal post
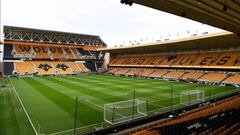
192, 97
123, 111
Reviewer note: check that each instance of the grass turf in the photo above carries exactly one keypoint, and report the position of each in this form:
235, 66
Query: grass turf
50, 101
12, 119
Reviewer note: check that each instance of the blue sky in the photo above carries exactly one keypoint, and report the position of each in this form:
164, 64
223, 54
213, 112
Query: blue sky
114, 22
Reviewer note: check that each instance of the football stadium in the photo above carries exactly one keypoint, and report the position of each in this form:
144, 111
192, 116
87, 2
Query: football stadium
63, 83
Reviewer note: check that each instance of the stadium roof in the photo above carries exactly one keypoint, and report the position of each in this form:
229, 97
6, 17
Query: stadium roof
12, 33
224, 14
223, 40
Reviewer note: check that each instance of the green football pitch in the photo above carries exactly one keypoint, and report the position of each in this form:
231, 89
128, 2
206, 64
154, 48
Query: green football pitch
50, 101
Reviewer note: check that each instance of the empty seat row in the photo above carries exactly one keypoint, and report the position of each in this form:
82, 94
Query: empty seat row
220, 118
213, 59
45, 52
49, 67
185, 75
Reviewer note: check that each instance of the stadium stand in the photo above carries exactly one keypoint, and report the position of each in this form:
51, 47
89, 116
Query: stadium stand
75, 67
23, 50
206, 59
192, 75
133, 72
45, 56
113, 70
215, 61
158, 73
210, 60
76, 53
62, 67
197, 62
45, 67
57, 53
214, 77
219, 118
145, 73
83, 67
41, 52
235, 79
174, 74
185, 59
26, 67
121, 71
168, 60
227, 59
69, 53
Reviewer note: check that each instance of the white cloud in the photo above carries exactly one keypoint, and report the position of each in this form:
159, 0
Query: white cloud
114, 22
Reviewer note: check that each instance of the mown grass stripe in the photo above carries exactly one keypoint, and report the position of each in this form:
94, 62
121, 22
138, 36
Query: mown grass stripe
73, 93
100, 89
86, 90
64, 102
12, 119
111, 88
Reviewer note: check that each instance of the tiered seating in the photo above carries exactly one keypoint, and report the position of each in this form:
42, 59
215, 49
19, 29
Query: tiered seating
146, 72
83, 52
75, 67
227, 59
185, 59
47, 52
41, 52
174, 74
133, 72
62, 67
219, 118
115, 60
206, 59
83, 67
57, 53
121, 71
129, 60
138, 60
214, 77
233, 79
76, 53
49, 67
158, 73
168, 60
194, 60
156, 60
23, 49
113, 71
69, 53
192, 75
200, 76
45, 68
25, 67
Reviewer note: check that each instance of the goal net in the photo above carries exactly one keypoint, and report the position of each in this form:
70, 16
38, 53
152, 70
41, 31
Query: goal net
191, 97
124, 111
